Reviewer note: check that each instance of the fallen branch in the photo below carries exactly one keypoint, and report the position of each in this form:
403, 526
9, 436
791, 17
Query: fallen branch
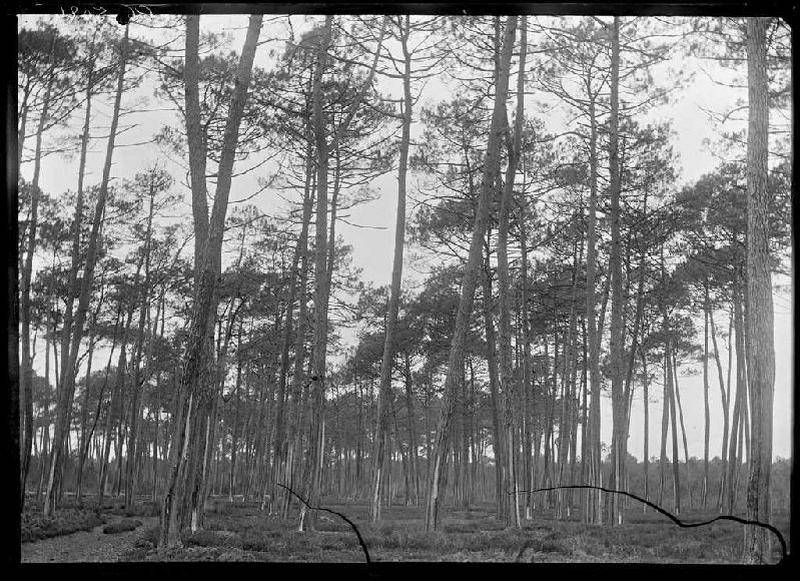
339, 514
672, 517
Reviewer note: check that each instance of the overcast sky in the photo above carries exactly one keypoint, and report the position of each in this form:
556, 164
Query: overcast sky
372, 247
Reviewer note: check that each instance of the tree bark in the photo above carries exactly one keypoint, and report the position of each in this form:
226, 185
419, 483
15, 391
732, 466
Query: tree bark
507, 380
617, 340
683, 428
528, 402
676, 480
725, 413
321, 289
646, 437
734, 452
412, 432
593, 513
491, 362
761, 349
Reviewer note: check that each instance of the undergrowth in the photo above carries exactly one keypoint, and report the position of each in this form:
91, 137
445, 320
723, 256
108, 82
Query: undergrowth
123, 526
34, 526
245, 533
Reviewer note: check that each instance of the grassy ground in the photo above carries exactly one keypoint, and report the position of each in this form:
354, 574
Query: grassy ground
70, 519
243, 533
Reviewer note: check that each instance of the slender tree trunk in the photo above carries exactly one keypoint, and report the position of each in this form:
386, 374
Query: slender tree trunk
26, 367
293, 434
68, 375
73, 283
567, 386
665, 416
237, 406
528, 404
507, 380
734, 452
88, 437
412, 431
138, 380
646, 437
23, 123
593, 513
116, 396
491, 361
676, 480
281, 443
384, 393
707, 422
617, 340
725, 414
683, 428
491, 170
195, 373
314, 464
84, 416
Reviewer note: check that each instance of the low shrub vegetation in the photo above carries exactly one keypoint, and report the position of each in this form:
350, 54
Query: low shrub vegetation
123, 526
34, 526
245, 533
144, 509
208, 538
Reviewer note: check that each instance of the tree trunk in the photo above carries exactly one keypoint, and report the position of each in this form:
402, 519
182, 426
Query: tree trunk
84, 416
617, 340
491, 170
707, 417
194, 375
281, 443
69, 361
761, 350
676, 480
593, 513
734, 453
138, 379
412, 432
321, 289
491, 362
683, 428
26, 367
507, 380
725, 413
384, 393
116, 396
646, 437
88, 438
528, 405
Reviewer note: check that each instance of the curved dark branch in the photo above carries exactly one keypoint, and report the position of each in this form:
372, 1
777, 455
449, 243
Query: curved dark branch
339, 514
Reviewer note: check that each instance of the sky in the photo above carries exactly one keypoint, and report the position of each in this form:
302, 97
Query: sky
694, 136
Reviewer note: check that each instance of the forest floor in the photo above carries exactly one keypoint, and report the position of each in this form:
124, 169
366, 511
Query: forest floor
241, 532
87, 546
